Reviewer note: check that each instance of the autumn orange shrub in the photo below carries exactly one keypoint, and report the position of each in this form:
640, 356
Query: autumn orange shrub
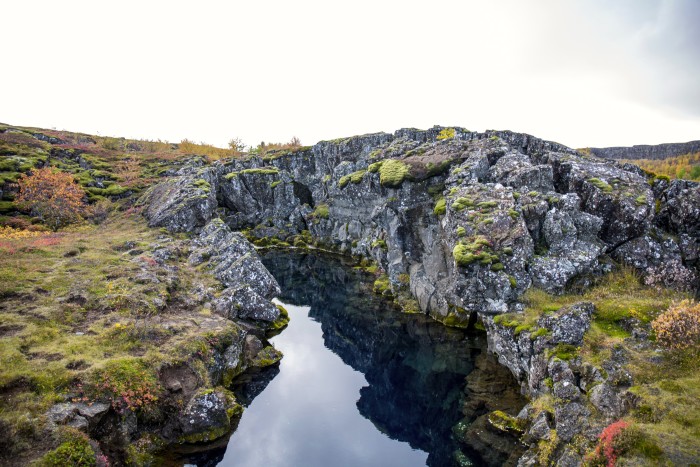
678, 327
53, 196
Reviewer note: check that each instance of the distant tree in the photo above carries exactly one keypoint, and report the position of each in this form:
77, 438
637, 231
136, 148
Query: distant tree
53, 196
236, 145
295, 142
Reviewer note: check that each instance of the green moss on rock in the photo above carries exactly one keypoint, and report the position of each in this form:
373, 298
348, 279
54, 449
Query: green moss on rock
505, 422
462, 203
479, 249
355, 177
382, 286
440, 207
283, 319
267, 357
261, 171
392, 173
379, 243
321, 211
600, 184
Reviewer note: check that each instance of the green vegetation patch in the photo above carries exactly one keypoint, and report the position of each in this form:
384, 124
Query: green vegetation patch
129, 383
504, 422
374, 168
202, 185
382, 286
321, 211
463, 202
600, 184
440, 207
261, 171
355, 177
474, 249
75, 450
379, 243
393, 172
112, 190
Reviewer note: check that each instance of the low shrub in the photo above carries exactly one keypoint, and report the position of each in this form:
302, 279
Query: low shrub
678, 327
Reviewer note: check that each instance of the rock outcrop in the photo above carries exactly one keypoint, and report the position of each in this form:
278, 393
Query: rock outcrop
466, 221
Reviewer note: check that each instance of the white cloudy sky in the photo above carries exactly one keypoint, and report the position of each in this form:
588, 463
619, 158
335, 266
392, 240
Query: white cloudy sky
580, 72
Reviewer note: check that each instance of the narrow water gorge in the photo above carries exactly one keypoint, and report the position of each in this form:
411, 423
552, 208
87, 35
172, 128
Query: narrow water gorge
360, 383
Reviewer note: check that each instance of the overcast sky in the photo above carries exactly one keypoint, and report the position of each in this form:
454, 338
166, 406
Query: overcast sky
580, 72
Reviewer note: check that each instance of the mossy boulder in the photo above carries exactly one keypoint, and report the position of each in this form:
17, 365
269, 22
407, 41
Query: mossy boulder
208, 415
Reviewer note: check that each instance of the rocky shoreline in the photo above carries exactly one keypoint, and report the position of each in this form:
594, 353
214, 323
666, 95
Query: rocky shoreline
194, 405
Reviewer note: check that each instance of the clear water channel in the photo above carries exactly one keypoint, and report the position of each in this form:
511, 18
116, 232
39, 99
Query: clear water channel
360, 384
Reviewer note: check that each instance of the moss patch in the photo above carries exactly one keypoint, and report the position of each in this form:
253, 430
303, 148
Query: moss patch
440, 207
75, 450
392, 173
600, 184
355, 177
321, 211
472, 250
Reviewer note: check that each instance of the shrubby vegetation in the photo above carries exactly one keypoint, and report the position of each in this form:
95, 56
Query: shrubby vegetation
679, 327
447, 133
52, 196
686, 166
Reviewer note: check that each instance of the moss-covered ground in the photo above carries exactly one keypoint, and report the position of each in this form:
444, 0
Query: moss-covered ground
666, 382
92, 312
76, 321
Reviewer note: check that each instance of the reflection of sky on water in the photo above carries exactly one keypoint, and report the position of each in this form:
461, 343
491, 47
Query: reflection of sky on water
307, 415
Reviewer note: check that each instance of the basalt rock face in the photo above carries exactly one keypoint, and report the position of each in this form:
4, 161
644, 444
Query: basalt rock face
465, 223
643, 151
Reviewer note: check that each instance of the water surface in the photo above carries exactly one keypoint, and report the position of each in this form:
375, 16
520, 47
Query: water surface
360, 384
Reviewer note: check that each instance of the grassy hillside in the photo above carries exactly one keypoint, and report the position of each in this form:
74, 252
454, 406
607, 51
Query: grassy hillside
89, 309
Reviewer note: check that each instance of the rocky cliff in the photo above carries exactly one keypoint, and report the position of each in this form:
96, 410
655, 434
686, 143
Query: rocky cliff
645, 151
462, 224
466, 223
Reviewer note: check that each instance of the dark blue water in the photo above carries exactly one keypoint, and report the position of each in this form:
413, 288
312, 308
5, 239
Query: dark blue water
360, 384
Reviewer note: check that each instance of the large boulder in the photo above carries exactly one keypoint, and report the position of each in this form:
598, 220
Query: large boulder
243, 302
184, 202
208, 415
233, 259
622, 198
